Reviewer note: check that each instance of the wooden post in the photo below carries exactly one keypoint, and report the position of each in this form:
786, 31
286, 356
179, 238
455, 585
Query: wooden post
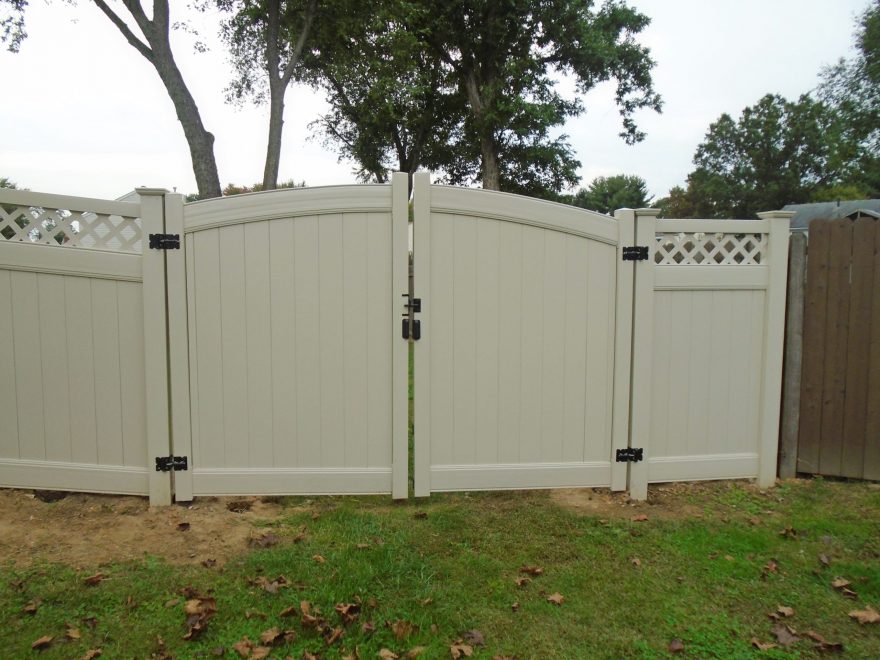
155, 344
642, 353
794, 344
774, 332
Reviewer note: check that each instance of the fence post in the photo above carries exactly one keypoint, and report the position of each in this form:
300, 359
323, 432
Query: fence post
774, 332
794, 343
178, 349
422, 365
626, 219
642, 352
155, 343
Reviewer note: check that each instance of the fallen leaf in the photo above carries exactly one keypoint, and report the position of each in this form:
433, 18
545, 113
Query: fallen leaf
288, 611
387, 654
301, 535
427, 602
367, 627
401, 629
785, 635
42, 643
420, 515
362, 546
320, 559
770, 567
635, 561
823, 644
32, 607
89, 622
781, 612
264, 541
172, 602
243, 647
532, 570
239, 506
676, 646
522, 581
840, 583
305, 607
460, 649
556, 598
515, 607
308, 656
91, 654
763, 646
259, 653
72, 632
867, 615
95, 579
199, 611
348, 612
209, 563
183, 527
254, 614
640, 518
271, 586
271, 636
823, 559
332, 636
415, 652
789, 532
474, 638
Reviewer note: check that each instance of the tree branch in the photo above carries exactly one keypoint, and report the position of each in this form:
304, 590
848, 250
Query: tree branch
130, 36
300, 42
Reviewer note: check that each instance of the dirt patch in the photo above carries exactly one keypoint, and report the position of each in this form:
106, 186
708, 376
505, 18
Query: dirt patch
87, 530
665, 501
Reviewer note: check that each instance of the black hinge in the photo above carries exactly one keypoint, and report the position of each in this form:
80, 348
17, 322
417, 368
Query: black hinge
630, 455
416, 329
635, 253
171, 463
164, 241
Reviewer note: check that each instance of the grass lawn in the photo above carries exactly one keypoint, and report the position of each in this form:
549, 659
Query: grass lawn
706, 567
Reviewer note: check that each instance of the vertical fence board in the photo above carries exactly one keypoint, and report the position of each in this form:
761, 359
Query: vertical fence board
809, 426
794, 340
872, 424
836, 330
858, 344
8, 374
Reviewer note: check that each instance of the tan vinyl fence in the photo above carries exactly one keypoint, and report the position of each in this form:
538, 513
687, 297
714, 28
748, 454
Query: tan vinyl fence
257, 344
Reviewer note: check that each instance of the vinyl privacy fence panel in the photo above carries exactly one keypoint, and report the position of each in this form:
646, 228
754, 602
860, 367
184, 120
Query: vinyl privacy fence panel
258, 344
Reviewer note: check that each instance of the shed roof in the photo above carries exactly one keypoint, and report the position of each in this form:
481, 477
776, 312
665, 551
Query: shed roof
804, 213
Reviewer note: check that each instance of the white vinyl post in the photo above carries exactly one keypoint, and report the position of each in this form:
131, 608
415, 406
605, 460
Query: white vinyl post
178, 349
774, 339
400, 348
155, 344
623, 315
422, 373
642, 353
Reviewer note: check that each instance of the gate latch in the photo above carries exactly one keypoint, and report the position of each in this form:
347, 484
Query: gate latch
635, 253
411, 328
164, 241
171, 463
630, 455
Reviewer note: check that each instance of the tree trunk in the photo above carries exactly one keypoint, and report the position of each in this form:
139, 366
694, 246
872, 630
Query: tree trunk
200, 140
491, 173
273, 149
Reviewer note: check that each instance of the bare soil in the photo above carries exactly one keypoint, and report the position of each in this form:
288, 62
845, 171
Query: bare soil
88, 530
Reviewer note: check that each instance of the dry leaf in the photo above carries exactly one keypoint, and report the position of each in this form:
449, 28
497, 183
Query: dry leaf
676, 646
401, 629
319, 559
348, 612
172, 602
254, 614
243, 647
640, 518
635, 561
91, 654
271, 636
43, 642
199, 611
532, 570
305, 607
183, 527
515, 607
362, 546
823, 644
95, 579
427, 602
867, 615
420, 515
264, 541
460, 649
840, 583
90, 622
763, 646
823, 559
386, 654
474, 638
333, 636
522, 581
770, 567
31, 607
289, 611
72, 633
308, 656
789, 532
781, 612
239, 506
259, 653
209, 563
415, 652
367, 627
785, 635
556, 598
301, 535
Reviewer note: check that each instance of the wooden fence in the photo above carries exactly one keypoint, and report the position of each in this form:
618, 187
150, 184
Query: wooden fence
832, 415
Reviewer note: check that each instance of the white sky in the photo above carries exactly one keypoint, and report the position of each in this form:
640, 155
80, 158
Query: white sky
83, 113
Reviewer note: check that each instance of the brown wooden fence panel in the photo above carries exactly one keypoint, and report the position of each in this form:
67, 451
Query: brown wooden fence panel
840, 402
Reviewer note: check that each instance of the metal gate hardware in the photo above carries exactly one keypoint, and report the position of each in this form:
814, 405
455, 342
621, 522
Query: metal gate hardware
630, 455
171, 463
164, 241
635, 253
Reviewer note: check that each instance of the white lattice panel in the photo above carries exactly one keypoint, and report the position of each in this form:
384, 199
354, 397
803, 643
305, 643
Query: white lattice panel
708, 249
82, 229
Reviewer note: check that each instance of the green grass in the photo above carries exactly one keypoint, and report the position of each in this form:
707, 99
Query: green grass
700, 579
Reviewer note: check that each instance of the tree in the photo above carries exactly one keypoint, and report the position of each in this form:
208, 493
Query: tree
502, 57
679, 203
852, 88
391, 103
606, 194
150, 36
778, 152
266, 39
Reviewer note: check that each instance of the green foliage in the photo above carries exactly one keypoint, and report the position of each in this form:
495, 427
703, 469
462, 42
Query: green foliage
5, 182
12, 28
680, 203
841, 192
607, 194
234, 189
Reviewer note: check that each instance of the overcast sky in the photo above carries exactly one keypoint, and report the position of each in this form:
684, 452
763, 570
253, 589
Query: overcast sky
81, 112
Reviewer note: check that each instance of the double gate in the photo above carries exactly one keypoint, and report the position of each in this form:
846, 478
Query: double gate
259, 343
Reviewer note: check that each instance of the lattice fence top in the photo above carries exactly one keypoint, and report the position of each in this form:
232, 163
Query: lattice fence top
710, 249
82, 229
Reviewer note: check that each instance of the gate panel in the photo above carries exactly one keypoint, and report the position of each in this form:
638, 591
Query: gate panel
515, 366
295, 346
